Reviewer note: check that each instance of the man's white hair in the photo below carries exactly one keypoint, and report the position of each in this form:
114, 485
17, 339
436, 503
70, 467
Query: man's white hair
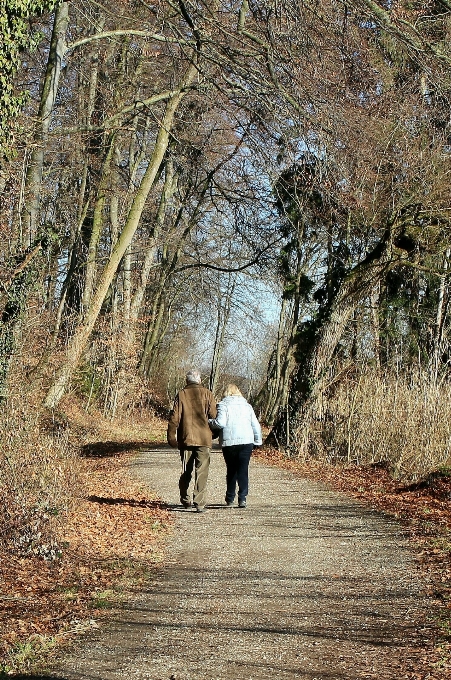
193, 376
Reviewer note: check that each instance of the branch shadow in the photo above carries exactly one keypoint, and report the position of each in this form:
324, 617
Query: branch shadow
132, 502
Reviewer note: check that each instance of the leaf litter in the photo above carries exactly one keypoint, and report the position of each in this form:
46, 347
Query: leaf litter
112, 537
116, 533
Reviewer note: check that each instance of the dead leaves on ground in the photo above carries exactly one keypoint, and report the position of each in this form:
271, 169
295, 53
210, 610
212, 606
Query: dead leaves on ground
116, 531
113, 536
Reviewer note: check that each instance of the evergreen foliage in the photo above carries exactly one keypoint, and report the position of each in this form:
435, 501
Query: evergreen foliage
16, 38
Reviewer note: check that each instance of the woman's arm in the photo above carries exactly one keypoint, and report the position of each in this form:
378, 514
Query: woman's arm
256, 428
221, 418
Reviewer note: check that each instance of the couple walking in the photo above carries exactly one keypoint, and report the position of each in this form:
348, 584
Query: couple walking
190, 426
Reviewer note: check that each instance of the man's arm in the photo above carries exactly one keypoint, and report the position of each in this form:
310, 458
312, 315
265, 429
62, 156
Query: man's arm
173, 423
212, 410
220, 420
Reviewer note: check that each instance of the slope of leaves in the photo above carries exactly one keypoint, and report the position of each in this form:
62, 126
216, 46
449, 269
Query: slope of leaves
113, 536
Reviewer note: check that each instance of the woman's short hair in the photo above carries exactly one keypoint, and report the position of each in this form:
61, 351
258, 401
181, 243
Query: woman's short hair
232, 391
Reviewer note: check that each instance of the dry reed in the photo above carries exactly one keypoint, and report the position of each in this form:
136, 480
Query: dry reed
404, 422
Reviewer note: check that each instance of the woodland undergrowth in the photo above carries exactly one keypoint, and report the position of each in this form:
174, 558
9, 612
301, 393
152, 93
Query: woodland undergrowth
403, 422
77, 529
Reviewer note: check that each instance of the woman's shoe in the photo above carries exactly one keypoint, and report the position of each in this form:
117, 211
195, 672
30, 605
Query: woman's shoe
241, 504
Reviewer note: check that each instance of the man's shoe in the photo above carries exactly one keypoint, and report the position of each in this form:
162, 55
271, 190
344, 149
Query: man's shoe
186, 504
229, 504
241, 504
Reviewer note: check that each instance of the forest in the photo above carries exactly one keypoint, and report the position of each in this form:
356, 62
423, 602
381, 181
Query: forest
257, 189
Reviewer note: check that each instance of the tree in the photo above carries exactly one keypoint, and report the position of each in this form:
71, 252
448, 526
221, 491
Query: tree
16, 39
376, 222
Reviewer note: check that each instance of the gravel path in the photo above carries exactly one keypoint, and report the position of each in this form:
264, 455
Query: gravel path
303, 583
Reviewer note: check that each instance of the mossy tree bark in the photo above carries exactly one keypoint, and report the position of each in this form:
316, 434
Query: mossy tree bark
317, 339
27, 265
32, 189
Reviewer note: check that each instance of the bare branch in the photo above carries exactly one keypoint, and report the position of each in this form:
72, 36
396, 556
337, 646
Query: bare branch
144, 34
410, 36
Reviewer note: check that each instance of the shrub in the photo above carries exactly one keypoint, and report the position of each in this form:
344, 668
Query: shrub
37, 479
400, 421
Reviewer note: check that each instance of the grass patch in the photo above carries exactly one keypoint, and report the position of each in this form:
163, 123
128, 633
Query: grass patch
26, 654
105, 599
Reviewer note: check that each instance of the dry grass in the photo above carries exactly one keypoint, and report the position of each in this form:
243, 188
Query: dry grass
40, 469
403, 422
67, 497
38, 475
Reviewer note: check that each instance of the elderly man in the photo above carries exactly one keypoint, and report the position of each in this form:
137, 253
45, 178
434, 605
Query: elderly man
188, 430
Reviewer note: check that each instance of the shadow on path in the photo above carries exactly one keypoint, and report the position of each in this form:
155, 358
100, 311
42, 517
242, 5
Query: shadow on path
111, 449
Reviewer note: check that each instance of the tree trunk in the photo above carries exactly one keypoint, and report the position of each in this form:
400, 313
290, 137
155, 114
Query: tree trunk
284, 359
32, 190
97, 225
374, 310
168, 190
439, 320
317, 340
86, 109
78, 343
153, 334
269, 398
30, 263
224, 309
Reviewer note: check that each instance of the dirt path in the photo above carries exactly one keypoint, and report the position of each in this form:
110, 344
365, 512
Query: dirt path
304, 583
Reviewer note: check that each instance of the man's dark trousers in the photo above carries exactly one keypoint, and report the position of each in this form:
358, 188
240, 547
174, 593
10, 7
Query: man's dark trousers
197, 457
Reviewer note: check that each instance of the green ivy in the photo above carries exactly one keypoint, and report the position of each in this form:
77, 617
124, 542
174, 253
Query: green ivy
15, 38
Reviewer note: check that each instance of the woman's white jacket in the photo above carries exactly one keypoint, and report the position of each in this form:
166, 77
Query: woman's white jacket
237, 422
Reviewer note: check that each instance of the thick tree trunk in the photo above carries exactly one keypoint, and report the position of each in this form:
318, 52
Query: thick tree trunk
79, 341
32, 190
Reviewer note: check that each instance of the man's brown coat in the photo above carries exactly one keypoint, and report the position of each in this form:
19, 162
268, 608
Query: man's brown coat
188, 422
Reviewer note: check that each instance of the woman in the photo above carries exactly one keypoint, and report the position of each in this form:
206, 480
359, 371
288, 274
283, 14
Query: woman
239, 433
